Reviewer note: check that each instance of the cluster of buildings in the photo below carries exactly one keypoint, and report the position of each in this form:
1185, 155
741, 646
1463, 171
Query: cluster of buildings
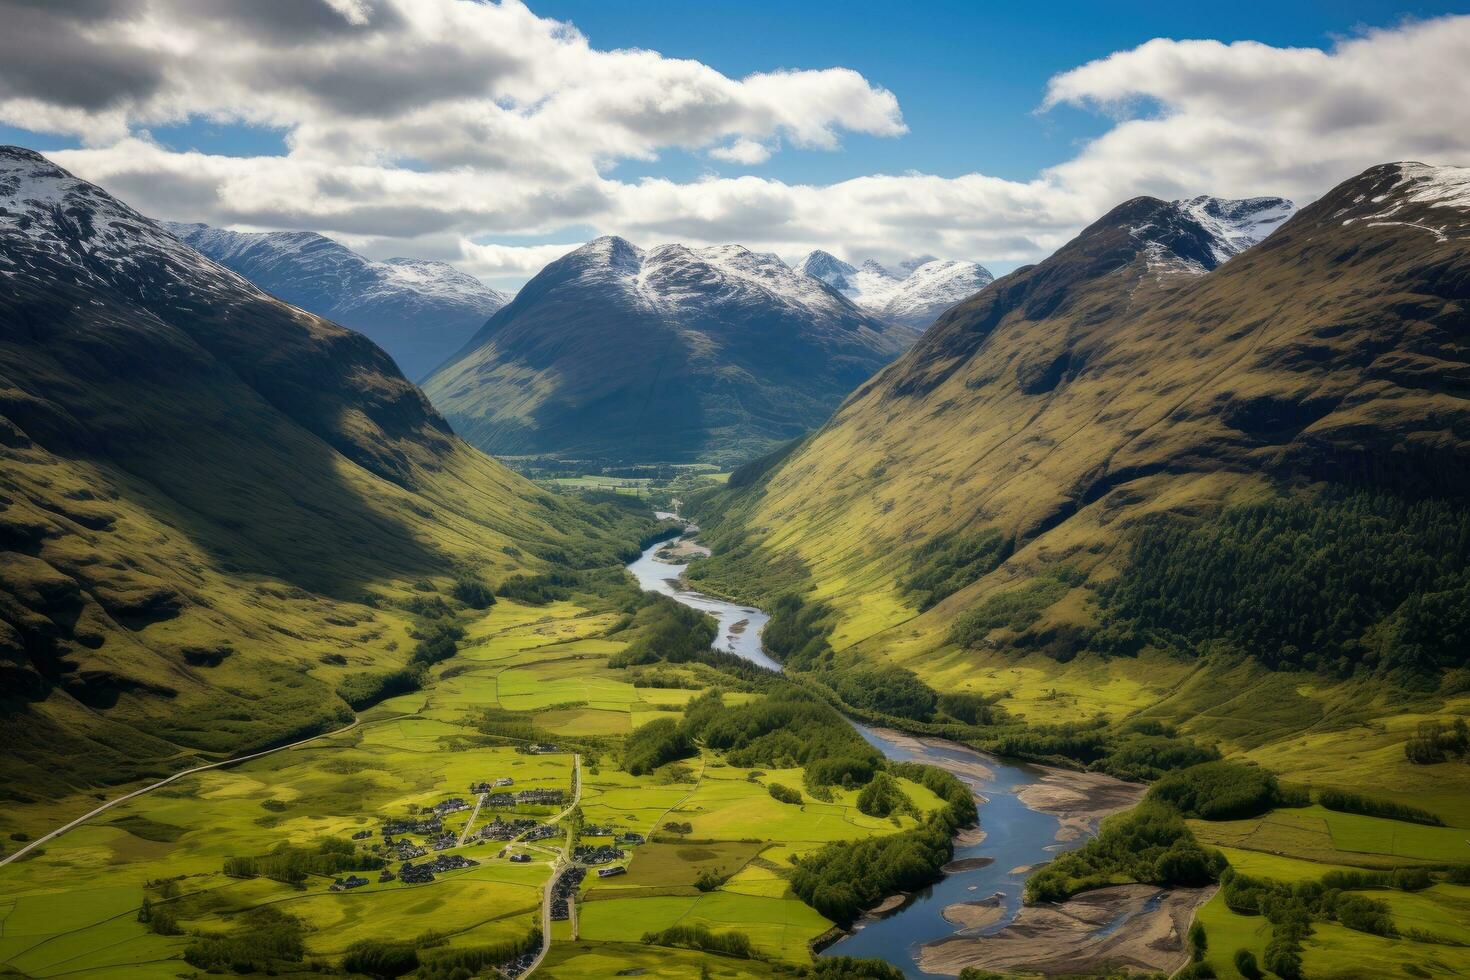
351, 881
488, 787
595, 854
501, 829
532, 797
562, 892
415, 874
455, 805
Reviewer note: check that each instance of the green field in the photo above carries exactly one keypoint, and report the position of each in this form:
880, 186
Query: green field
72, 908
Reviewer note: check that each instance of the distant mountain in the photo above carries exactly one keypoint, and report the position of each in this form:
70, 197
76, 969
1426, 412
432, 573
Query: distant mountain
913, 295
920, 289
419, 311
211, 503
669, 354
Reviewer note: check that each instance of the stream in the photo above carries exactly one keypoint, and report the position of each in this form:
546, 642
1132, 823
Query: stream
1015, 837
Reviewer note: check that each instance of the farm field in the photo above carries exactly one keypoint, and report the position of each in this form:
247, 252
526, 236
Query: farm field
543, 666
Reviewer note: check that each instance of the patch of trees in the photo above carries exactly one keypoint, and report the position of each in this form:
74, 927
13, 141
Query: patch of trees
1138, 751
786, 729
1434, 742
366, 688
290, 863
1150, 844
654, 744
1338, 581
797, 633
971, 709
451, 963
882, 797
852, 968
889, 690
949, 562
436, 641
1345, 802
1014, 609
376, 958
784, 794
540, 589
700, 937
473, 593
846, 877
664, 630
1224, 791
266, 941
1292, 908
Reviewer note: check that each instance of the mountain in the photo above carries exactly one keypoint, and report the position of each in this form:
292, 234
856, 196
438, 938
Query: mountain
419, 311
222, 518
670, 354
1137, 481
913, 296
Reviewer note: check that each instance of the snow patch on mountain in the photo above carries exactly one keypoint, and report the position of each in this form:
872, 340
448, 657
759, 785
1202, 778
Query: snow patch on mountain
1236, 225
914, 293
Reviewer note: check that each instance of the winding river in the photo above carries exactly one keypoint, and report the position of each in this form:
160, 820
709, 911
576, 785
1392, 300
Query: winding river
990, 872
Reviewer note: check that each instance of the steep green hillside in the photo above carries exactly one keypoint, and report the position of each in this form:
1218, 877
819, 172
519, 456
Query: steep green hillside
1115, 482
221, 518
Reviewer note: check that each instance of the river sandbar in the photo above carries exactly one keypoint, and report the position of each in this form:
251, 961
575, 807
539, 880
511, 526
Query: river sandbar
1138, 926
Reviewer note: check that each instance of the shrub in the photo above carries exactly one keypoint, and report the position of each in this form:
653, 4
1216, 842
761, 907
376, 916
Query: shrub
1245, 964
783, 794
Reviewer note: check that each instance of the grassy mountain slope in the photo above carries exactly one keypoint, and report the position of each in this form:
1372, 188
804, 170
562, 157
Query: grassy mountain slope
215, 509
1117, 393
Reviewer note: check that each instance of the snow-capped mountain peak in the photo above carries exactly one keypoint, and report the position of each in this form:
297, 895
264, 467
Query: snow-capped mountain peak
419, 310
912, 294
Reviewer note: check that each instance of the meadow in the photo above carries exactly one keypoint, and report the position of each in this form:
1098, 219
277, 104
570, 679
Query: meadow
74, 906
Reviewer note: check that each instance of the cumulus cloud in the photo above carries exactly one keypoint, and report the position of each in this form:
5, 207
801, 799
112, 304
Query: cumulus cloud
424, 127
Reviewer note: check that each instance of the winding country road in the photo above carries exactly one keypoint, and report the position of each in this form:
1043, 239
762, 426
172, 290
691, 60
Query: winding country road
164, 782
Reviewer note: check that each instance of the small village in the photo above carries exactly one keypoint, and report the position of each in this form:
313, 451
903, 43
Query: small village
407, 840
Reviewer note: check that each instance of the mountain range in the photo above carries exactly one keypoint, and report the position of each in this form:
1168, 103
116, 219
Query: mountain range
417, 310
913, 295
670, 354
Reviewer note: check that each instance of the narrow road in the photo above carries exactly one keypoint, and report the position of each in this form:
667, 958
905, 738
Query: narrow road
561, 863
164, 782
470, 823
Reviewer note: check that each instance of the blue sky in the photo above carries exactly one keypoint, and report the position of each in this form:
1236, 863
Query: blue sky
968, 75
481, 135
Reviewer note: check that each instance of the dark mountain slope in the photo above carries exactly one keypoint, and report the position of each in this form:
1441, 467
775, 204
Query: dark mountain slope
668, 355
214, 507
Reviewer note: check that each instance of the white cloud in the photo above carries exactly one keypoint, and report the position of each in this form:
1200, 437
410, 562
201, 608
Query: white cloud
421, 126
748, 152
